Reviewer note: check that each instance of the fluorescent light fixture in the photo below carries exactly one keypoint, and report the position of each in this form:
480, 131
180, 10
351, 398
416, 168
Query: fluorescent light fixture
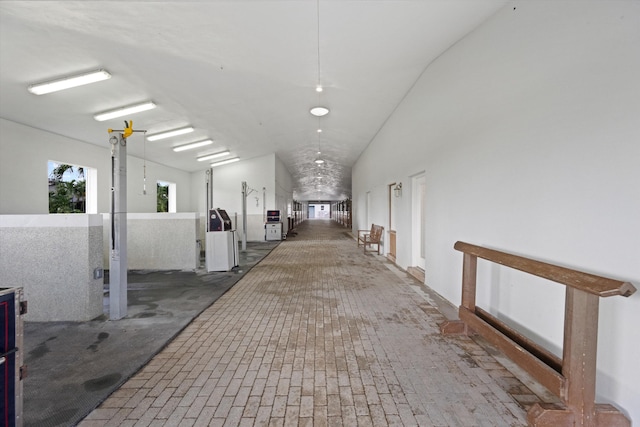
125, 111
170, 133
192, 145
319, 161
69, 82
319, 111
212, 156
224, 162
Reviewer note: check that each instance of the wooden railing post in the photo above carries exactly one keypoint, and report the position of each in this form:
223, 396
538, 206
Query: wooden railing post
579, 354
469, 274
572, 379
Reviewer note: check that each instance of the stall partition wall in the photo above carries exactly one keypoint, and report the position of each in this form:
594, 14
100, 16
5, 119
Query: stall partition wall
159, 241
56, 260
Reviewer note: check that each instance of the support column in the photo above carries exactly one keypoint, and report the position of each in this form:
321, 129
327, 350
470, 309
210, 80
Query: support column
244, 215
579, 370
579, 354
469, 274
118, 252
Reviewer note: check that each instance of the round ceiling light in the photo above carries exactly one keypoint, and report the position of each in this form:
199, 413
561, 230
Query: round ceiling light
319, 111
319, 161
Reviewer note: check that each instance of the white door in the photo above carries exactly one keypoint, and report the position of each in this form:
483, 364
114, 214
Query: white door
418, 193
368, 201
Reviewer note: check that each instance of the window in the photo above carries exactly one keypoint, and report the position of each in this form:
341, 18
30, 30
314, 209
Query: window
72, 188
166, 196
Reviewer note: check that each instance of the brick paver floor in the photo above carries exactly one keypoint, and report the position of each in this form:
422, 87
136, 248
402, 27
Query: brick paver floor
317, 334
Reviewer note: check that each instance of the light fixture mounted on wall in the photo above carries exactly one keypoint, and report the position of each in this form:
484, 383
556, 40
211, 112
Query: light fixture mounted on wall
397, 191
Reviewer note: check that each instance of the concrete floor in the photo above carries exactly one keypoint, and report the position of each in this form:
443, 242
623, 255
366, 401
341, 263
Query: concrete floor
320, 334
73, 367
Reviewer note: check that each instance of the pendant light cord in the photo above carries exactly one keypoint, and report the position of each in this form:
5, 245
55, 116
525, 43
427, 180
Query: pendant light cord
318, 28
144, 166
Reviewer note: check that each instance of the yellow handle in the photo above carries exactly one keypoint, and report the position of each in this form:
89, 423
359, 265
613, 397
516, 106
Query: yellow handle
129, 129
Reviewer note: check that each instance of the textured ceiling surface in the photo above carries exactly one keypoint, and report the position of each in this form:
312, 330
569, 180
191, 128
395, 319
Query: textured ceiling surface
242, 72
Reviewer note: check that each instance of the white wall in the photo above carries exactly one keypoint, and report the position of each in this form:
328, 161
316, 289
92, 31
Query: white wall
528, 131
138, 202
25, 151
24, 155
260, 172
321, 210
284, 192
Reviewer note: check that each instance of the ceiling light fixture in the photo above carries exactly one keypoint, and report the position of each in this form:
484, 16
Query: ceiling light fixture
170, 133
192, 145
319, 85
212, 156
125, 111
319, 111
224, 162
69, 82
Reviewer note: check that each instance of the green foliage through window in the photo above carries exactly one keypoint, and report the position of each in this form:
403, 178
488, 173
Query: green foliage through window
163, 197
67, 189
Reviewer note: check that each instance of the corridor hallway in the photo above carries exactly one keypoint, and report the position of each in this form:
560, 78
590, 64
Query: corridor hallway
319, 333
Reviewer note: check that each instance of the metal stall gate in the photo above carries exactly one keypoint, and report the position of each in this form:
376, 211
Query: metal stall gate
11, 337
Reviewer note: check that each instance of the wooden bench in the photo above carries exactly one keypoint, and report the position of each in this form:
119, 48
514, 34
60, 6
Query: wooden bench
370, 237
573, 377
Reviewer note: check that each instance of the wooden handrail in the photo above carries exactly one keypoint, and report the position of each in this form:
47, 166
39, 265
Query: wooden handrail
601, 286
572, 378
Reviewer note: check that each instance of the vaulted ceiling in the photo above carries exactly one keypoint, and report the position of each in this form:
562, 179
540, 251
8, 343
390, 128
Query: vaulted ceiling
242, 72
